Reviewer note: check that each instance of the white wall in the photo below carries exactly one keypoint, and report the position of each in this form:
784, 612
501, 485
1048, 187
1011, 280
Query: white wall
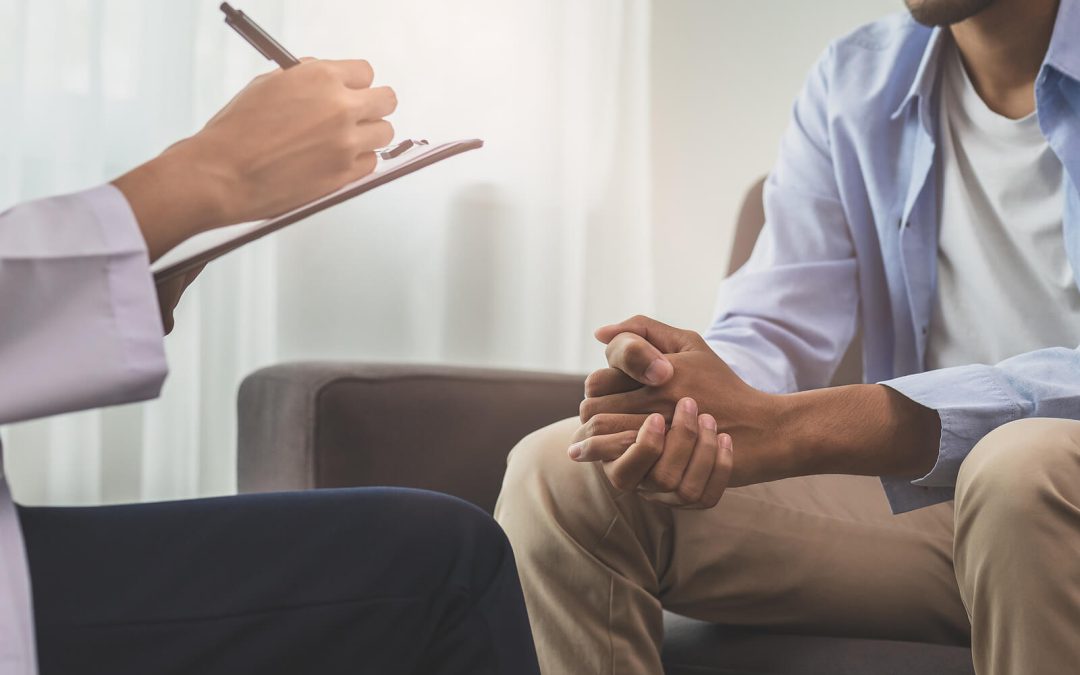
725, 73
723, 76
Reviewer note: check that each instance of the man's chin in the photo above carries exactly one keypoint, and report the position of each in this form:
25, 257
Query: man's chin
945, 12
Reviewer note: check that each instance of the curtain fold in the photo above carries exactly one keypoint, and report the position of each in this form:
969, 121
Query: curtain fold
507, 257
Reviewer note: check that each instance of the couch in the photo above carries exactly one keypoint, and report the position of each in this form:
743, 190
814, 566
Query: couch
330, 424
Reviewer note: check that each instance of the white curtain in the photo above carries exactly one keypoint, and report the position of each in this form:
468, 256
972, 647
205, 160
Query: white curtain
507, 257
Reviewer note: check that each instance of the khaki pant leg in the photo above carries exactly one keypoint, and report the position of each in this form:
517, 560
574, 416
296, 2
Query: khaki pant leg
1018, 547
820, 554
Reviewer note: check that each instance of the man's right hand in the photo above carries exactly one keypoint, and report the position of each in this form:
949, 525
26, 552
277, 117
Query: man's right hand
287, 138
687, 466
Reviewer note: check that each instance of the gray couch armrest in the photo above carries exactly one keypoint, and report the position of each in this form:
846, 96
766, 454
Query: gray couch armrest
311, 425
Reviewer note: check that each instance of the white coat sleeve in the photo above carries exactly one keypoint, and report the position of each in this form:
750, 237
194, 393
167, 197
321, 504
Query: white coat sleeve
80, 326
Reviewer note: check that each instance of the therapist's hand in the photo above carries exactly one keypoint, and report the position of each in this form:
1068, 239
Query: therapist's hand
287, 138
169, 293
653, 368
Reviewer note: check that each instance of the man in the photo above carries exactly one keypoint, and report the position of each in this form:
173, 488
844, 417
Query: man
925, 195
331, 582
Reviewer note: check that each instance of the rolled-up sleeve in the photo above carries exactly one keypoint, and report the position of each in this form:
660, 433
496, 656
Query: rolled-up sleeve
971, 401
784, 320
80, 326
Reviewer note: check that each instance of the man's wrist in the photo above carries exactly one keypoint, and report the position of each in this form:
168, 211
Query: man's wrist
769, 438
797, 436
864, 429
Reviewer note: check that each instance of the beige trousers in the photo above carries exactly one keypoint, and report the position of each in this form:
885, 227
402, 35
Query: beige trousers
818, 555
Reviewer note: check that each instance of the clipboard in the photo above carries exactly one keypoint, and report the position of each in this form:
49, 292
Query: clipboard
400, 160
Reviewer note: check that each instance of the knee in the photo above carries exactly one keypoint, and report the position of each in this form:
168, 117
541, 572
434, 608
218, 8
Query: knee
538, 468
1016, 473
455, 537
543, 489
455, 520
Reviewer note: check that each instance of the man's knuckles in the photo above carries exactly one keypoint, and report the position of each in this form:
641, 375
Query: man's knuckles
626, 472
665, 479
605, 423
638, 402
630, 353
598, 425
636, 351
587, 409
609, 381
594, 383
601, 448
620, 479
689, 492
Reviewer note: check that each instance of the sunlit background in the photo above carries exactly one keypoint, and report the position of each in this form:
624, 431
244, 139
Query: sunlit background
621, 135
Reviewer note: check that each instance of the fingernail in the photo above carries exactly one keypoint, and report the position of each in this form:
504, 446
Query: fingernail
575, 450
725, 442
689, 406
709, 422
658, 371
656, 422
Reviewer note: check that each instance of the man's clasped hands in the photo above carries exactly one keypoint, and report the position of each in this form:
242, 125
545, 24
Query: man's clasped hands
661, 417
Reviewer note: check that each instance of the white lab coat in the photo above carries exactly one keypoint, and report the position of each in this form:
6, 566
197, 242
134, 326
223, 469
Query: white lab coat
79, 328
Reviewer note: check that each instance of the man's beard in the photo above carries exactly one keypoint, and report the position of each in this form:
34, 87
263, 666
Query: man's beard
945, 12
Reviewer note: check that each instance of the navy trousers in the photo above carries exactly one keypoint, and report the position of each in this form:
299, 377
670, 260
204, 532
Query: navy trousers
324, 582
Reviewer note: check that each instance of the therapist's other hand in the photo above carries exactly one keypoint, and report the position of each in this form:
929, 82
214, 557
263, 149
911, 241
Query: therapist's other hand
169, 293
287, 138
687, 466
652, 368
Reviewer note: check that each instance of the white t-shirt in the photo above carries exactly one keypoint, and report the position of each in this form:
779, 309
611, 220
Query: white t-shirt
1004, 286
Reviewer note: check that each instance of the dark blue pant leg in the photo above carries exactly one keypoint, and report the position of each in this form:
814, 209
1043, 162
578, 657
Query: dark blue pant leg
327, 582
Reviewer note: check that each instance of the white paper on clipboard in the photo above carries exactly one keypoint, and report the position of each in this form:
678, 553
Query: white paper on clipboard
203, 248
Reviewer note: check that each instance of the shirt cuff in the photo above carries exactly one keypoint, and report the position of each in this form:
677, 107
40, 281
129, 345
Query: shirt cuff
903, 496
970, 404
119, 228
132, 292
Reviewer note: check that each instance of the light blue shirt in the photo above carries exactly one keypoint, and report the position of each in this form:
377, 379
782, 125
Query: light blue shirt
850, 242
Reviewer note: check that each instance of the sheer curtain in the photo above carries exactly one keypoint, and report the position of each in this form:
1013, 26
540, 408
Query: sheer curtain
509, 256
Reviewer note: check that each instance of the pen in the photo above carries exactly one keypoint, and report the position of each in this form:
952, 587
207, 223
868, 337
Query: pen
259, 39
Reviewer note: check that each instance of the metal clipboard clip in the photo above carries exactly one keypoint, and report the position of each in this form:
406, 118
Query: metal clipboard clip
395, 151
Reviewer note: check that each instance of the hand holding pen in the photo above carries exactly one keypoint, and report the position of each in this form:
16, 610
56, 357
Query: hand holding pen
289, 137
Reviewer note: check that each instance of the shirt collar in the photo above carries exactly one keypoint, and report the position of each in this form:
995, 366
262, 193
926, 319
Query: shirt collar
925, 76
1064, 51
1063, 54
